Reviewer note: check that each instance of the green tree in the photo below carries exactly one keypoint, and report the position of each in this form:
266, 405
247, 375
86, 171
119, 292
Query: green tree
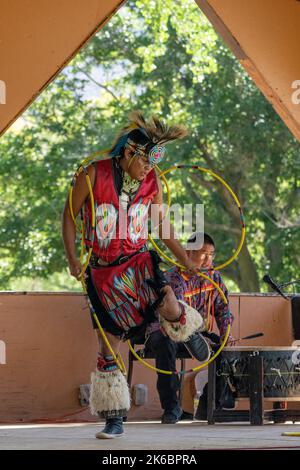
163, 57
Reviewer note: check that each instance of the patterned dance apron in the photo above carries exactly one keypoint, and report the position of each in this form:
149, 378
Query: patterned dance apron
121, 295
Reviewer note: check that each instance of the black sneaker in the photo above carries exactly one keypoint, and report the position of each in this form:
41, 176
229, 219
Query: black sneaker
169, 418
186, 416
198, 347
113, 429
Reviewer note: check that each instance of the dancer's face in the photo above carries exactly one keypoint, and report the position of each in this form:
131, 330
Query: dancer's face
203, 258
137, 166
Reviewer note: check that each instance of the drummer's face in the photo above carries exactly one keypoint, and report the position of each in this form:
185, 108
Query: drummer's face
204, 257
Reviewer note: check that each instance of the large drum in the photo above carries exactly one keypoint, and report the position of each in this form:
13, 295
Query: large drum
281, 370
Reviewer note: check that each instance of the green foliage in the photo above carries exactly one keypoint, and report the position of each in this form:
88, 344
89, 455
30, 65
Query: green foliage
161, 57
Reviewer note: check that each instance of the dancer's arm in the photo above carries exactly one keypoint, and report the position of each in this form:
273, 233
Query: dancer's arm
168, 238
80, 193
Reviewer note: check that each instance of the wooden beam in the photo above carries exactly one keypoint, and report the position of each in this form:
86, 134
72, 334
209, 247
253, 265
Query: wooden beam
253, 71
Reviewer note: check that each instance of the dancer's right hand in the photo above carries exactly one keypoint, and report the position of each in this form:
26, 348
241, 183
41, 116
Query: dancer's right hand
76, 269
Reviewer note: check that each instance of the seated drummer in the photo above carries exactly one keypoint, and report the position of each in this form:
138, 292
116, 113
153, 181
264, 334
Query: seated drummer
206, 299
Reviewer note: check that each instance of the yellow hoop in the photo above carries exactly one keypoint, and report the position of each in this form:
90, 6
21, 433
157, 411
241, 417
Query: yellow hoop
226, 185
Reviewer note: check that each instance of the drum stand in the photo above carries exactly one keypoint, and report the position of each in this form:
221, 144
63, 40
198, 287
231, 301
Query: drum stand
256, 414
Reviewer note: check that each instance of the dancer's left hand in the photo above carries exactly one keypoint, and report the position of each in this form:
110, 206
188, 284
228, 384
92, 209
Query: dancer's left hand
191, 268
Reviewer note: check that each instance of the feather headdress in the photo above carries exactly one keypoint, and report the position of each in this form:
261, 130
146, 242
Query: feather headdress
147, 137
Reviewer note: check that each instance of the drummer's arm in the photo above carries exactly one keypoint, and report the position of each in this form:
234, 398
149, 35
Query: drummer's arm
176, 282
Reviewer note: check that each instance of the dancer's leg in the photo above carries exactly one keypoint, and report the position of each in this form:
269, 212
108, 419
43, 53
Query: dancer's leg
109, 397
183, 323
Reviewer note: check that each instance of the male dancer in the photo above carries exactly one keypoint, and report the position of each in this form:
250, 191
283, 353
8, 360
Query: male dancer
125, 286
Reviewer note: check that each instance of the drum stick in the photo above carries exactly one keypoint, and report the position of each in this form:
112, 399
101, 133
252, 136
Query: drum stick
255, 335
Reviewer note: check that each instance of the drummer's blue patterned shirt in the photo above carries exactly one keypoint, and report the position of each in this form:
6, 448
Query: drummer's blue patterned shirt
202, 295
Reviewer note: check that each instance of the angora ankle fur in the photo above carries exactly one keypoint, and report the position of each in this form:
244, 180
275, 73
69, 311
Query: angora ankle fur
109, 391
180, 333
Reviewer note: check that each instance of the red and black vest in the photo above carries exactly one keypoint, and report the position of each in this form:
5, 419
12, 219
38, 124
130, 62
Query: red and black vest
120, 230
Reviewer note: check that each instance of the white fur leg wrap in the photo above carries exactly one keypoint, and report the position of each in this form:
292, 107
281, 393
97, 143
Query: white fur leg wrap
109, 391
179, 332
